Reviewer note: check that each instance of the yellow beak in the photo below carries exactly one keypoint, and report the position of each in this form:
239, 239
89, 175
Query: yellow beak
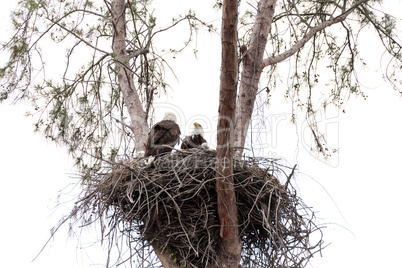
196, 124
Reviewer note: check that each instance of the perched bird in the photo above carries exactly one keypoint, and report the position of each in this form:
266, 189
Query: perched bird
196, 140
163, 136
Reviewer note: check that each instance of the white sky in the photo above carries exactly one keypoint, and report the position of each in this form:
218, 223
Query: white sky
357, 194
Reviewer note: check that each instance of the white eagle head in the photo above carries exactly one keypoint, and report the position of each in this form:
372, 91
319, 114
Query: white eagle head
198, 130
170, 116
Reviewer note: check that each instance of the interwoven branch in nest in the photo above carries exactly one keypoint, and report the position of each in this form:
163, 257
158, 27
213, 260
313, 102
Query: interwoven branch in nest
171, 203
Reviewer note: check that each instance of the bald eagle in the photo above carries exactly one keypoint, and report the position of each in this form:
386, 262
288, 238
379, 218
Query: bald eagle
196, 140
163, 136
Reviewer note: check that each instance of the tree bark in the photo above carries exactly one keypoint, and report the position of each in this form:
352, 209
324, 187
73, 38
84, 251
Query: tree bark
166, 260
125, 76
251, 72
230, 244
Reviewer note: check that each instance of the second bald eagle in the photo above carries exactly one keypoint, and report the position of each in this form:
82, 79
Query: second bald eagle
196, 140
163, 136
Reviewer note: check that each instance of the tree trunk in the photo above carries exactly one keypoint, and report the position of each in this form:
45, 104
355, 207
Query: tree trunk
130, 95
251, 72
230, 246
166, 260
125, 77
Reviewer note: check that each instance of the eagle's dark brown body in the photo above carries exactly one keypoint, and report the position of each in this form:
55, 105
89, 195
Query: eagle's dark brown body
162, 138
193, 141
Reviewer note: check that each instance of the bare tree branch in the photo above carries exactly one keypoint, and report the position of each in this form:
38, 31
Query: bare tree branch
313, 30
125, 77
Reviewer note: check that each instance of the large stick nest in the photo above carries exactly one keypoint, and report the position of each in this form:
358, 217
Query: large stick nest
171, 203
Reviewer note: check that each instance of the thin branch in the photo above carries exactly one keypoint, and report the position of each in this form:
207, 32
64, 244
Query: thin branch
290, 177
77, 36
136, 53
380, 30
313, 30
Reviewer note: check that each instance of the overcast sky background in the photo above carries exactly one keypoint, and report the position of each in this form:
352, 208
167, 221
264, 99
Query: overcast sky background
356, 194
